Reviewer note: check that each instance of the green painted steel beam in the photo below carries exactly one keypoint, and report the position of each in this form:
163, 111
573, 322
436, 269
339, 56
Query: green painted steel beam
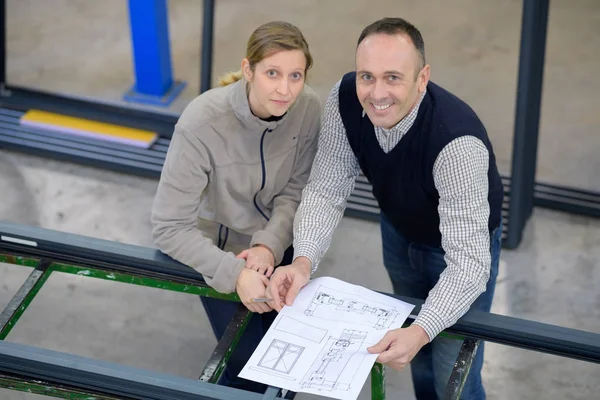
199, 289
18, 260
231, 337
451, 336
378, 382
163, 284
48, 389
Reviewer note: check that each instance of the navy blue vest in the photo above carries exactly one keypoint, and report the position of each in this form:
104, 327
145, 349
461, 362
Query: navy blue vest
402, 179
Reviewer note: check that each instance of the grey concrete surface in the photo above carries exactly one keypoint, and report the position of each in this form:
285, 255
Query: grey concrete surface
82, 47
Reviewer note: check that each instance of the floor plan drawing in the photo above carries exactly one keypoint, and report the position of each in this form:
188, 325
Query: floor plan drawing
280, 356
298, 328
379, 317
329, 371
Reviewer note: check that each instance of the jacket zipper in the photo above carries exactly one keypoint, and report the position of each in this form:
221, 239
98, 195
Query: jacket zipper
264, 172
222, 242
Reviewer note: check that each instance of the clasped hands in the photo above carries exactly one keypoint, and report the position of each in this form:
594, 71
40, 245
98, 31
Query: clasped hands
396, 349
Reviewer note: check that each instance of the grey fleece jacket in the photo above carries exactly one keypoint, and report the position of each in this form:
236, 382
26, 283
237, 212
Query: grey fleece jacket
212, 181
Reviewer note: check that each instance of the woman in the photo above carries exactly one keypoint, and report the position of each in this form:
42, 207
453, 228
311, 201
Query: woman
233, 176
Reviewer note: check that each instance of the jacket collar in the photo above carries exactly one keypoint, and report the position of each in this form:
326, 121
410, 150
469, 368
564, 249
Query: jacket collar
241, 108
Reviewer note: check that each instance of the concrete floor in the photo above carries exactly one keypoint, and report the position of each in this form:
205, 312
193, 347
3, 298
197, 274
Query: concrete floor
82, 48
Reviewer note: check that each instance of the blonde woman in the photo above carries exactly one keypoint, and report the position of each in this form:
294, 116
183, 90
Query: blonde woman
233, 176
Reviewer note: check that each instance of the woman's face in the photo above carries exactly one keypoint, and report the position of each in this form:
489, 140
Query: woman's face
275, 82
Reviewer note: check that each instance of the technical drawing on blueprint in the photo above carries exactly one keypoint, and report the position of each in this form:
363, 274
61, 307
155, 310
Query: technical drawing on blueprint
333, 368
319, 344
375, 314
279, 358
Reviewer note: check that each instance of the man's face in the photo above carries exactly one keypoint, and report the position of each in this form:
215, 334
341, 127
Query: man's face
386, 67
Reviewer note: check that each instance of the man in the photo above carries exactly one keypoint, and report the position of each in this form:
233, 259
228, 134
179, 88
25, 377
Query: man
433, 173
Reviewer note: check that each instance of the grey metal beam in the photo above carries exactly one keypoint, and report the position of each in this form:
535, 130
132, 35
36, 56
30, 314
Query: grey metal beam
91, 251
109, 378
271, 393
206, 49
529, 335
529, 97
2, 42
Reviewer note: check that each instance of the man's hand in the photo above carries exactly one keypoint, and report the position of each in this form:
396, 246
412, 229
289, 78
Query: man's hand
287, 281
250, 285
399, 346
259, 258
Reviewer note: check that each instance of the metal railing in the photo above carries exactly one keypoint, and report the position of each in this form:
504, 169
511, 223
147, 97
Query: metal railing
45, 251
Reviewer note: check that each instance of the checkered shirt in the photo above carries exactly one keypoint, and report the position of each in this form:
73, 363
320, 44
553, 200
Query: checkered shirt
460, 176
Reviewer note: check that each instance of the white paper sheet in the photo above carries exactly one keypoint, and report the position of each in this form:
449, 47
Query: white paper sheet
319, 345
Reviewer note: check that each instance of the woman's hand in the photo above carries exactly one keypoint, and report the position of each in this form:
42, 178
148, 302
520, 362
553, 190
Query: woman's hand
260, 259
250, 285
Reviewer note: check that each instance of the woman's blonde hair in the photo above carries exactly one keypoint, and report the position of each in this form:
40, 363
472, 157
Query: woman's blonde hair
267, 40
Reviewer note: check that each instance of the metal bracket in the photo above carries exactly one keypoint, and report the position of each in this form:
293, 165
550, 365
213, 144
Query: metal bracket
24, 296
216, 364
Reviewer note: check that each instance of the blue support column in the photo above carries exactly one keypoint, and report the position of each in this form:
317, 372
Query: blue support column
154, 82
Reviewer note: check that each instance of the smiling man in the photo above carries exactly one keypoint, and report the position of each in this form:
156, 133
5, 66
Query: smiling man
433, 172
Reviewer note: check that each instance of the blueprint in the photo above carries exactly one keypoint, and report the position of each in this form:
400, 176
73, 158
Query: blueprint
319, 344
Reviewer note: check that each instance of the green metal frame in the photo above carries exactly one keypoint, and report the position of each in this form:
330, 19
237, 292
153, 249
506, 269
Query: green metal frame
42, 269
42, 388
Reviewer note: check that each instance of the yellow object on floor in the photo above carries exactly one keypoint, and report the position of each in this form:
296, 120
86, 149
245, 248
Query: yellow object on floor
89, 128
